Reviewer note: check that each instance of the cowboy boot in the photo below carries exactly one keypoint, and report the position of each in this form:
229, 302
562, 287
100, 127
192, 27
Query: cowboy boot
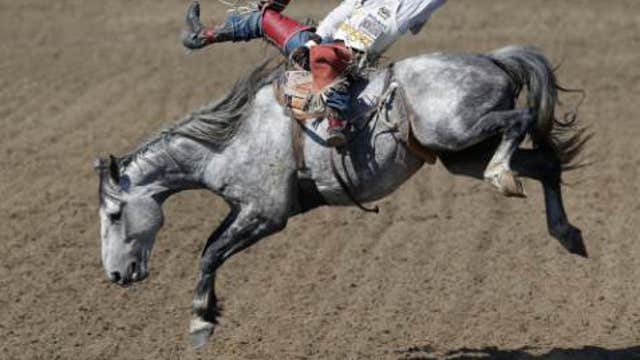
338, 99
336, 136
197, 36
284, 32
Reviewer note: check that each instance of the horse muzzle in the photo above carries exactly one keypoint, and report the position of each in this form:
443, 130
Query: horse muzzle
135, 272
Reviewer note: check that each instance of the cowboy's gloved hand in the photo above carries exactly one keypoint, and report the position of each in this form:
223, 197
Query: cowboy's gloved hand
301, 57
196, 36
277, 5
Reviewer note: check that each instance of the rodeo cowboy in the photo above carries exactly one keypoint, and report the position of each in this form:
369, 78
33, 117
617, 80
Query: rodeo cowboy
356, 29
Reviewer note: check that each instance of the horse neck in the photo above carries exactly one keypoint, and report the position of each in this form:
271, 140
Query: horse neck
170, 164
174, 162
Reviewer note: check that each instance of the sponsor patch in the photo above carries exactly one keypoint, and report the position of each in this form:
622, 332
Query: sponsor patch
372, 26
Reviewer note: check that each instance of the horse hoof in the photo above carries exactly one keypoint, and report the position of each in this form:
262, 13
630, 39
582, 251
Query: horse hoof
199, 339
200, 333
508, 183
570, 238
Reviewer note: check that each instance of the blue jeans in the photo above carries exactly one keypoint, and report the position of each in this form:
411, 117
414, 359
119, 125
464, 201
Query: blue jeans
248, 26
339, 99
244, 27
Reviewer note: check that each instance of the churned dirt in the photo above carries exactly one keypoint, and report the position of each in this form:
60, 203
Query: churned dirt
448, 270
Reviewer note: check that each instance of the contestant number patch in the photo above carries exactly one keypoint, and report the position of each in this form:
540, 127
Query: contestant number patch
372, 26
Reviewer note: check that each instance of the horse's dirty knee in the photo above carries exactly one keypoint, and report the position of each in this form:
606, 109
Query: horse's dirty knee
507, 182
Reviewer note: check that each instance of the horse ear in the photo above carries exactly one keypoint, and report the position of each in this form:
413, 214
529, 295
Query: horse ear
99, 165
114, 169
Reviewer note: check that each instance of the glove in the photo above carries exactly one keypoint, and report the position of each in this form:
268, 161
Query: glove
300, 57
196, 36
276, 5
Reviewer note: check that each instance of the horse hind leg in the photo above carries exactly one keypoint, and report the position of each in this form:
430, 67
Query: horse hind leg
540, 164
543, 164
515, 124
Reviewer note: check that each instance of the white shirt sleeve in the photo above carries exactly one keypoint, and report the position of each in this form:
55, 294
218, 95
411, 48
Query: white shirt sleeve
414, 14
336, 17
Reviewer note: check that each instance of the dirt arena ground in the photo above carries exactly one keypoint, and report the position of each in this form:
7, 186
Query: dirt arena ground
448, 270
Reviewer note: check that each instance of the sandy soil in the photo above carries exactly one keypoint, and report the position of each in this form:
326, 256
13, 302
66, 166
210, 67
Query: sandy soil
449, 266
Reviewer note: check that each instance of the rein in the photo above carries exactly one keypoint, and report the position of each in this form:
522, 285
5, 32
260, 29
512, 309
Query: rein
345, 187
390, 88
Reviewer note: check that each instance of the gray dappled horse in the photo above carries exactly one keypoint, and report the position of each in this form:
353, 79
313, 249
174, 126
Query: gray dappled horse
242, 149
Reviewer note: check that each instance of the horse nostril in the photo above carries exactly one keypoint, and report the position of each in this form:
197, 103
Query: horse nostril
134, 272
132, 269
115, 276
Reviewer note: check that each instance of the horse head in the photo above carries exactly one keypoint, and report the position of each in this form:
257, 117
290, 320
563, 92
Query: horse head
130, 216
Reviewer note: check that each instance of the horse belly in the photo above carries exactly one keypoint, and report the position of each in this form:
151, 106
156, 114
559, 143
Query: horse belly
392, 169
376, 166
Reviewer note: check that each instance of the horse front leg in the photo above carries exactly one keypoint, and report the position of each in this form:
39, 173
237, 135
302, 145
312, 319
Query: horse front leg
240, 230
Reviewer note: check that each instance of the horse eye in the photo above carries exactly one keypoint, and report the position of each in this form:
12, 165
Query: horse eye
115, 217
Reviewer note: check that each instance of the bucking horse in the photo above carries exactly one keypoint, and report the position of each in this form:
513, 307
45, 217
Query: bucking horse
247, 149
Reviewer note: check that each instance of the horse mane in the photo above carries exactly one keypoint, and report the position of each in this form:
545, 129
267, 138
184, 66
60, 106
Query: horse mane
216, 123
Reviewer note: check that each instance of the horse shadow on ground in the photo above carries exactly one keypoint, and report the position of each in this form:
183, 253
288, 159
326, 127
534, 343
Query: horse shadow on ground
492, 353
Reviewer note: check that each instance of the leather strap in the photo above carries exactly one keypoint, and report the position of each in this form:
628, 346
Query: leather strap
345, 186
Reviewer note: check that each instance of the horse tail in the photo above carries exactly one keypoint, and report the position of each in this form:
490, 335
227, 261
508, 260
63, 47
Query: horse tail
529, 68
